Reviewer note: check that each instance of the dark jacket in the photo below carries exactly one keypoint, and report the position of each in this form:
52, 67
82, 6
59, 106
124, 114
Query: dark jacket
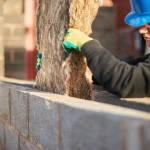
118, 77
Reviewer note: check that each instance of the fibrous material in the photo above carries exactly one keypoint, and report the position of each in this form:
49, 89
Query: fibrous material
62, 73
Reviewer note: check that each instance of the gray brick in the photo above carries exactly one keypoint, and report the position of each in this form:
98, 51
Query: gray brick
133, 136
43, 122
4, 102
25, 144
87, 130
100, 95
145, 136
2, 136
11, 139
19, 110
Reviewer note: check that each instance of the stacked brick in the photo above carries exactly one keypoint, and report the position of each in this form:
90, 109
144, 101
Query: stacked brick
34, 120
12, 134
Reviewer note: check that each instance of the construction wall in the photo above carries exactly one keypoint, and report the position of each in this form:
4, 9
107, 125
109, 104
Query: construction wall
34, 120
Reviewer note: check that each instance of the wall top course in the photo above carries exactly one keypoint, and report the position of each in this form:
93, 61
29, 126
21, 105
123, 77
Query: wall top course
92, 106
12, 81
145, 100
86, 105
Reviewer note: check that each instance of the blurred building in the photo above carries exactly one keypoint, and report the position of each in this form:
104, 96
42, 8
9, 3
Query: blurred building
19, 43
19, 38
109, 28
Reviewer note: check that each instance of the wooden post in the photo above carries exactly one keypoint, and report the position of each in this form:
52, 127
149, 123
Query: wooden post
62, 73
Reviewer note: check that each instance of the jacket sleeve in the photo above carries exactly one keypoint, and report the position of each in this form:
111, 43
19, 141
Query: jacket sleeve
116, 76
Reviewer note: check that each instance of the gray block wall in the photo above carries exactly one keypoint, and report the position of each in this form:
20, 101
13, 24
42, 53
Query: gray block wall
44, 121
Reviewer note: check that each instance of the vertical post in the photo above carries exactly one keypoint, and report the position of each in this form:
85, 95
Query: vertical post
1, 39
30, 39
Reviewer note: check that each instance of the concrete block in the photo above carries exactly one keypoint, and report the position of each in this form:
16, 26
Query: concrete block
87, 130
133, 136
142, 104
4, 102
43, 122
2, 135
25, 144
145, 136
11, 138
19, 110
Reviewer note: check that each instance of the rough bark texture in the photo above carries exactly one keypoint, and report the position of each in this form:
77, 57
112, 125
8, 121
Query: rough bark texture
60, 73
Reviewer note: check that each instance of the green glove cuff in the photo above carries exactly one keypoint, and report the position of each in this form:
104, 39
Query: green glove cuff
39, 61
70, 47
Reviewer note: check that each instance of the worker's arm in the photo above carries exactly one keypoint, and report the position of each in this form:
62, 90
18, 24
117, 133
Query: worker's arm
115, 75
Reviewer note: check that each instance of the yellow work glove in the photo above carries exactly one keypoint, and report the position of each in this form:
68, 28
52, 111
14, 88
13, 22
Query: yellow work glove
74, 40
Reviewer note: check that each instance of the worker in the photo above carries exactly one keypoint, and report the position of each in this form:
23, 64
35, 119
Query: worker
116, 76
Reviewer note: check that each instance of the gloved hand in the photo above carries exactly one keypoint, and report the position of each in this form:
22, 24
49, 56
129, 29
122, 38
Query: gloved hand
74, 40
39, 61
